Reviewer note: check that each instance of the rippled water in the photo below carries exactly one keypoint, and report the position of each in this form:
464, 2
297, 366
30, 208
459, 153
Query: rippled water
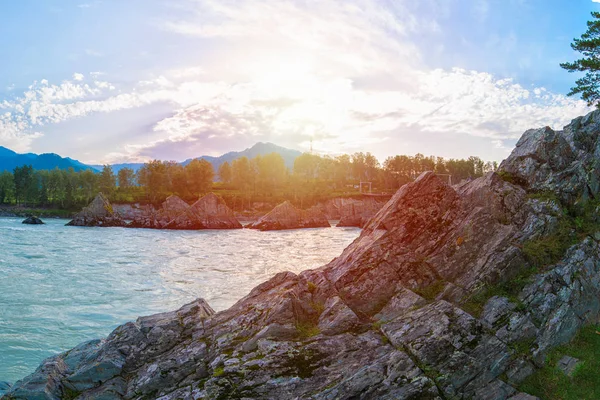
62, 285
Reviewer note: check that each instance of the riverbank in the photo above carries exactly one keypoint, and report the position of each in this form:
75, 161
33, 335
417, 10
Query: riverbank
23, 212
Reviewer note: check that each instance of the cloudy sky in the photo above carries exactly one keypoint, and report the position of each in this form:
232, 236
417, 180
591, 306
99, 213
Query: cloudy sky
131, 80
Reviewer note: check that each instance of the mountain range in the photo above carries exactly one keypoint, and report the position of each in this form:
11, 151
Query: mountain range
10, 159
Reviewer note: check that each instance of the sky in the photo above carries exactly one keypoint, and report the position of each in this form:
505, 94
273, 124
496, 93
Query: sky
112, 81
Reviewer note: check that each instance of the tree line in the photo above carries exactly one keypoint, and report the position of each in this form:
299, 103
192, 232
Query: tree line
266, 178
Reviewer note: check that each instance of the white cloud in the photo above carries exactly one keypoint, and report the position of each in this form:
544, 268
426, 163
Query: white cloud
344, 74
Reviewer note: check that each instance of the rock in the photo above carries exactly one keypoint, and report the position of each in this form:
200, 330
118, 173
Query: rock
213, 213
209, 212
351, 211
568, 365
386, 319
286, 216
33, 220
98, 213
4, 386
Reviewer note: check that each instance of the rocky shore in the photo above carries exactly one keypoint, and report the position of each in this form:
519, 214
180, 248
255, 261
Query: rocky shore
449, 292
286, 216
209, 212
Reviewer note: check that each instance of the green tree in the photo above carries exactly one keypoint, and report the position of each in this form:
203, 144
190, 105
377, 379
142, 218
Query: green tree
588, 45
7, 187
225, 172
107, 182
200, 175
126, 178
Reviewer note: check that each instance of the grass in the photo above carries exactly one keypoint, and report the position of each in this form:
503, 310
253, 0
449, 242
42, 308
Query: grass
307, 329
574, 224
430, 292
551, 383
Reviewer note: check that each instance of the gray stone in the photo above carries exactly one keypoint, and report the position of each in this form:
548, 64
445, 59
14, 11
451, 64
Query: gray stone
568, 365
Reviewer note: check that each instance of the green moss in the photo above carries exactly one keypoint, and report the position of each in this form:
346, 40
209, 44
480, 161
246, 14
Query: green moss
70, 394
509, 289
219, 371
550, 249
523, 347
302, 363
551, 383
544, 196
431, 291
312, 287
510, 178
307, 329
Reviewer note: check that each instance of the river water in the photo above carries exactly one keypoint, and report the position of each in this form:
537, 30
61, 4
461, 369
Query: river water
62, 285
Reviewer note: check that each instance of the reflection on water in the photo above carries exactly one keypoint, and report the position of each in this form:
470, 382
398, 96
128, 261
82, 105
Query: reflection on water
62, 285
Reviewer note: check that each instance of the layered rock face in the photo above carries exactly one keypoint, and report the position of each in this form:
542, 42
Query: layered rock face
388, 318
209, 212
358, 212
98, 213
286, 216
351, 212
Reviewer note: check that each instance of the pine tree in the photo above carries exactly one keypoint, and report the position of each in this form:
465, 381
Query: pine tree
589, 46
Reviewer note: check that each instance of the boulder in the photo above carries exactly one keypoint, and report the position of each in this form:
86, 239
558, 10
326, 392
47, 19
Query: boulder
33, 220
358, 212
393, 316
213, 213
209, 212
98, 213
286, 216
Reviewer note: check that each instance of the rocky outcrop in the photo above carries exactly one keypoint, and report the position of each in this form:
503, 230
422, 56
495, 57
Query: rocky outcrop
358, 212
33, 220
209, 212
352, 211
213, 213
286, 216
394, 316
98, 213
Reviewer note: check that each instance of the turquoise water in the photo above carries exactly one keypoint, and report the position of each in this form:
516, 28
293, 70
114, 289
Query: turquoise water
62, 285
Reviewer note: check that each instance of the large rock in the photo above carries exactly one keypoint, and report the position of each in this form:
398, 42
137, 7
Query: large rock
213, 213
352, 211
98, 213
33, 220
286, 216
388, 318
209, 212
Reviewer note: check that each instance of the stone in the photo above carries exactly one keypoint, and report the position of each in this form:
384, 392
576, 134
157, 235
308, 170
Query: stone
286, 216
33, 220
209, 212
392, 316
568, 365
98, 213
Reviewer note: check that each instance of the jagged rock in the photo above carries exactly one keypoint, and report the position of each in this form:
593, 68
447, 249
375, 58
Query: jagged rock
387, 319
213, 213
98, 213
33, 220
4, 386
350, 211
286, 216
209, 212
358, 212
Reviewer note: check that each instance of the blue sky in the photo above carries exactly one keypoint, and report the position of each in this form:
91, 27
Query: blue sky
115, 81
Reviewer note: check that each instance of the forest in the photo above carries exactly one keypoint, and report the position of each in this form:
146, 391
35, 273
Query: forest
265, 178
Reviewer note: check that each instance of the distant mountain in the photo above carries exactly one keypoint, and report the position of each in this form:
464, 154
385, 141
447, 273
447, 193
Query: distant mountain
259, 149
9, 160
